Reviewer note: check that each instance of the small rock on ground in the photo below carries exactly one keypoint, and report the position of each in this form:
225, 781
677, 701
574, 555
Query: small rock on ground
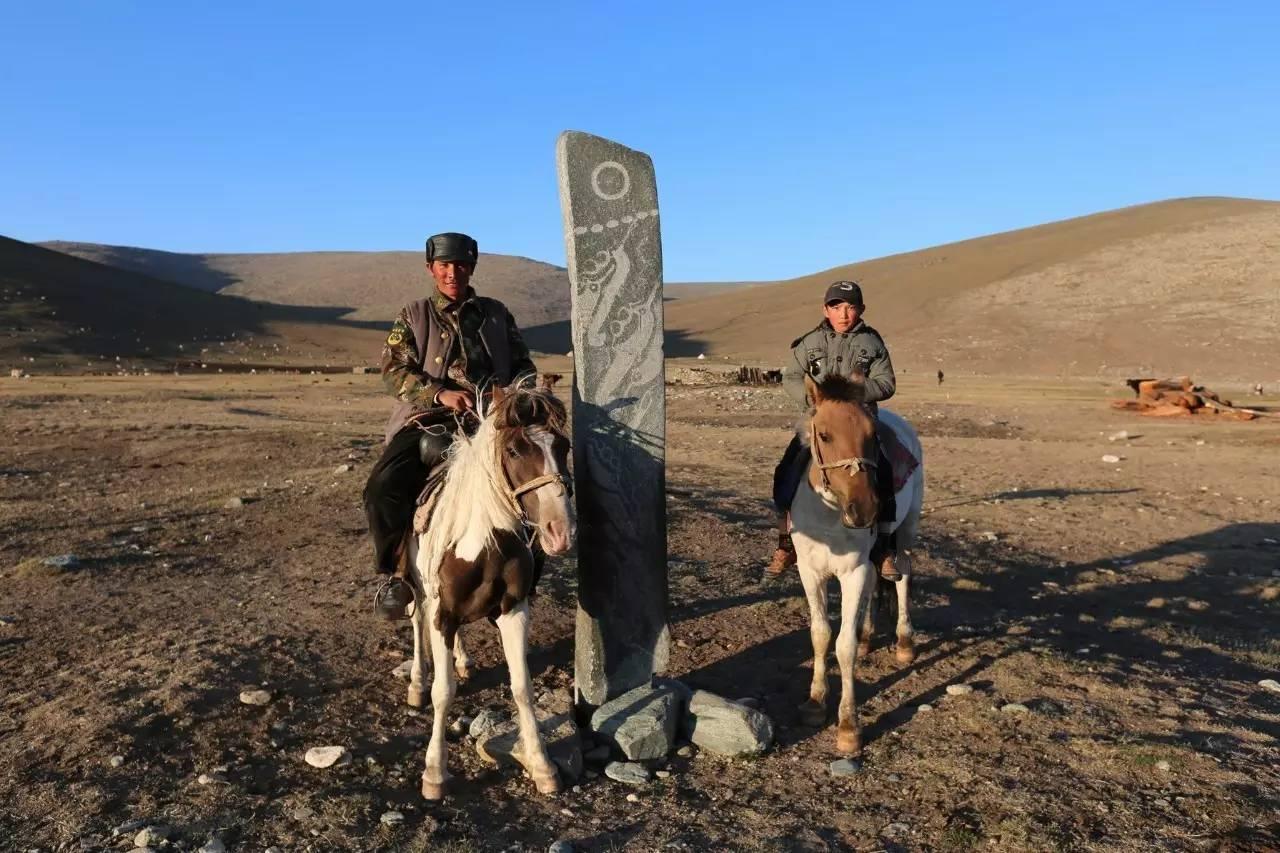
924, 707
1014, 708
846, 767
1270, 684
1164, 765
255, 697
959, 689
327, 756
561, 846
485, 722
213, 845
392, 818
234, 503
63, 561
152, 836
627, 772
404, 669
640, 723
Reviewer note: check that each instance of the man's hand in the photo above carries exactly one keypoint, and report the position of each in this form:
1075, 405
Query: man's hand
459, 401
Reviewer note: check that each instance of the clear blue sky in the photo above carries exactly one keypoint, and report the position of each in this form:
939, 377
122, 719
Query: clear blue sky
788, 137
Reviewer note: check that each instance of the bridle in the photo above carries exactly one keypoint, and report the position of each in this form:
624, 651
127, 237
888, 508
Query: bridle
514, 492
853, 463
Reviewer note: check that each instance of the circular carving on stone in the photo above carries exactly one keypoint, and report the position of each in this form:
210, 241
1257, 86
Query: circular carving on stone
617, 181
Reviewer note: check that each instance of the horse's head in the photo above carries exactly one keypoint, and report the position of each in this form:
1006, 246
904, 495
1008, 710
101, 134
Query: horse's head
842, 434
533, 449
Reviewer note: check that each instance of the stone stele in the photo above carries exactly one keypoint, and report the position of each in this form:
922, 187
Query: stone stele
609, 199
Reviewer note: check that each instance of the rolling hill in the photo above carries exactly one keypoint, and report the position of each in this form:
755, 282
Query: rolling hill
1181, 286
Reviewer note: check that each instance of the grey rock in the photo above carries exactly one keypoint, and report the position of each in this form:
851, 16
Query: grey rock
116, 761
598, 755
959, 689
66, 562
1014, 708
404, 669
1270, 684
924, 707
846, 767
627, 772
152, 836
213, 845
561, 846
211, 778
6, 621
234, 503
342, 469
559, 733
255, 697
392, 818
685, 752
327, 756
727, 728
485, 722
609, 198
640, 723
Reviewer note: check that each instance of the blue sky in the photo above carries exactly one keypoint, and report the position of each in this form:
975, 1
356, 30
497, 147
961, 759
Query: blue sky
787, 137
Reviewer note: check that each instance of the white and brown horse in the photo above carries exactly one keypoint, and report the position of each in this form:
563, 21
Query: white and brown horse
505, 485
833, 522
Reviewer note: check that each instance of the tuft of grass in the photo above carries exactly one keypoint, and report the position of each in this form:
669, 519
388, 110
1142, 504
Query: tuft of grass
958, 838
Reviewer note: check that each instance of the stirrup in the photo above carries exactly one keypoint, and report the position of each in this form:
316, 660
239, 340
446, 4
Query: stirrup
392, 598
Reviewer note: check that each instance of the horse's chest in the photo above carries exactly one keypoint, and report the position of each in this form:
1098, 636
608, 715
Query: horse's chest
492, 582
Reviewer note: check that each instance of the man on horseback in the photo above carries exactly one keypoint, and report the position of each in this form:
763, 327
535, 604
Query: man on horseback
441, 349
841, 344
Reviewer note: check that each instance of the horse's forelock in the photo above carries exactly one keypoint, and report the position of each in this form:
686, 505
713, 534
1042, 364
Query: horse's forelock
851, 389
527, 408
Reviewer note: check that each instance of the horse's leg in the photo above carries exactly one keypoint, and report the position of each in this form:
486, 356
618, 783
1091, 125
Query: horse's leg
855, 583
867, 629
906, 649
436, 773
514, 627
461, 660
814, 711
417, 697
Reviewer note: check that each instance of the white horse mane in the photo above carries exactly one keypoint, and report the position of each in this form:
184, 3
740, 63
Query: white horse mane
473, 503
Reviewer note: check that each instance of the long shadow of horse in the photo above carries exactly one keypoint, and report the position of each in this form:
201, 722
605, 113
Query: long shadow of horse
1100, 609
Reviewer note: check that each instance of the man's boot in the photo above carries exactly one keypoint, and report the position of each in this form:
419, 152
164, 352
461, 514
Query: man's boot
884, 554
393, 598
784, 556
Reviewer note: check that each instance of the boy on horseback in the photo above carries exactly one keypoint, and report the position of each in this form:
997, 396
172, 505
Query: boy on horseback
440, 350
842, 343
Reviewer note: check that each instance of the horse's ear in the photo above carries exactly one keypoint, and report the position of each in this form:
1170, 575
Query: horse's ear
812, 390
498, 394
548, 381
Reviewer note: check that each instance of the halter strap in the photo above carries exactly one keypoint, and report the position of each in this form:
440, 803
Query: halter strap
853, 463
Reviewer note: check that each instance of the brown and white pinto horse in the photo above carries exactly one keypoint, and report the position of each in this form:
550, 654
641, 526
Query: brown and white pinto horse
475, 560
833, 522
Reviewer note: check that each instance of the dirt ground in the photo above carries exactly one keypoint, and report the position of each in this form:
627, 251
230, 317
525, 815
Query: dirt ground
1131, 607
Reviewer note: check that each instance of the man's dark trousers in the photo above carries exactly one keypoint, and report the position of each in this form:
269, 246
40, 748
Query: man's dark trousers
391, 495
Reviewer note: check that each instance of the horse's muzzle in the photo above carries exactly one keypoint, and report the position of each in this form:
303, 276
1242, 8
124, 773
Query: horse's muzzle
854, 523
556, 537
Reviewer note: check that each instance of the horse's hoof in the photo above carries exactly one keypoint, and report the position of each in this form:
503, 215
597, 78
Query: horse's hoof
433, 790
463, 674
416, 697
849, 742
547, 784
864, 648
813, 714
905, 652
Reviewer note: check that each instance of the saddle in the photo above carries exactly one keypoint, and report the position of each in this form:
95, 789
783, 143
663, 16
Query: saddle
902, 461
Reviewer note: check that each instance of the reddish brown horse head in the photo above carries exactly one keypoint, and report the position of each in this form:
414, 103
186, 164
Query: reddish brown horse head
842, 437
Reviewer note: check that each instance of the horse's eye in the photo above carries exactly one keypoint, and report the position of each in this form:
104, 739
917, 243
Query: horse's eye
822, 436
511, 451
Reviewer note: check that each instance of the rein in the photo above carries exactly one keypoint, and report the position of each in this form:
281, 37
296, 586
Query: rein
853, 463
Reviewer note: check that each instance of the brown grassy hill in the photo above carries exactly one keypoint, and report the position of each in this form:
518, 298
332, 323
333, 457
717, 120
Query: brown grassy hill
366, 285
62, 313
1181, 286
